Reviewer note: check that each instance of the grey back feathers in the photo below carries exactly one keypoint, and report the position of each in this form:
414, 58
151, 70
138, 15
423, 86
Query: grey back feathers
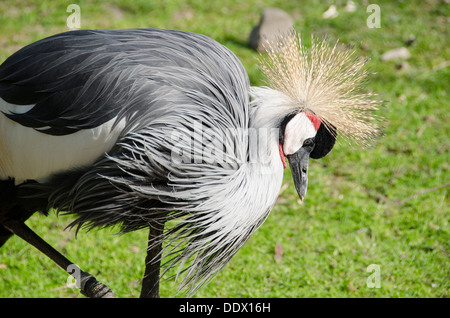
82, 79
162, 84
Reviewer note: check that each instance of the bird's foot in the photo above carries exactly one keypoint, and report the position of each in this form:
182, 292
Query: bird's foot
92, 288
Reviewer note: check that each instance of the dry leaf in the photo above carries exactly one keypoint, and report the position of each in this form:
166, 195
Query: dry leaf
351, 287
278, 252
134, 249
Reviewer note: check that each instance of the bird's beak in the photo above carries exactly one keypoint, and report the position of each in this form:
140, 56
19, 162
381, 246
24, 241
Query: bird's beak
298, 162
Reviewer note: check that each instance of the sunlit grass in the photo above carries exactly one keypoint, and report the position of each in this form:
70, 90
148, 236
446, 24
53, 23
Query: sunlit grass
385, 205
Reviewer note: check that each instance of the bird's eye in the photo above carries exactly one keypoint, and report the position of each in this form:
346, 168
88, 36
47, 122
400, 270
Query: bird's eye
308, 142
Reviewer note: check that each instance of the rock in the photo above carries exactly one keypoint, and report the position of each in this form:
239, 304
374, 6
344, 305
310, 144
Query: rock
403, 66
410, 40
183, 15
350, 6
114, 11
273, 23
364, 46
331, 13
401, 53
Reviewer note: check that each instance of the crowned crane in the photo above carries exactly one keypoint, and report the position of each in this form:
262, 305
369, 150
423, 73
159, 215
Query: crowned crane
160, 129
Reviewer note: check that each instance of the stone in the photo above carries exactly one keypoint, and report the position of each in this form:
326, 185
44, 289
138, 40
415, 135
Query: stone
403, 66
410, 40
331, 13
401, 53
350, 6
274, 23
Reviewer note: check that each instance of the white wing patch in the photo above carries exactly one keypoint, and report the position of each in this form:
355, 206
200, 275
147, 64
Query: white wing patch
27, 154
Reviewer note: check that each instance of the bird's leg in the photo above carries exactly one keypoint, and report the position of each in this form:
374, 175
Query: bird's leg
19, 215
7, 203
90, 287
4, 235
150, 282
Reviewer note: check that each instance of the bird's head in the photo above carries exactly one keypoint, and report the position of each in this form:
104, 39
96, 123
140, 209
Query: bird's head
322, 93
303, 136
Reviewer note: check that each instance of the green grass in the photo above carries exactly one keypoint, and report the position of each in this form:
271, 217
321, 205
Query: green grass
386, 205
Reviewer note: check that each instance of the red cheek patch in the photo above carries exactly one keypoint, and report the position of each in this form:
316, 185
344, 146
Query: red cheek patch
314, 120
283, 158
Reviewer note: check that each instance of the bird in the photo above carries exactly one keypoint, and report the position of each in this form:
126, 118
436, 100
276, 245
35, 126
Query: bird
161, 130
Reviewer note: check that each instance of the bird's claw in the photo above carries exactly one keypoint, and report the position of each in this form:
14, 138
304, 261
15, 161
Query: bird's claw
92, 288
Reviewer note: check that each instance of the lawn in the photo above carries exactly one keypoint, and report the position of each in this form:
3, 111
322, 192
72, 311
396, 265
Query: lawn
386, 205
